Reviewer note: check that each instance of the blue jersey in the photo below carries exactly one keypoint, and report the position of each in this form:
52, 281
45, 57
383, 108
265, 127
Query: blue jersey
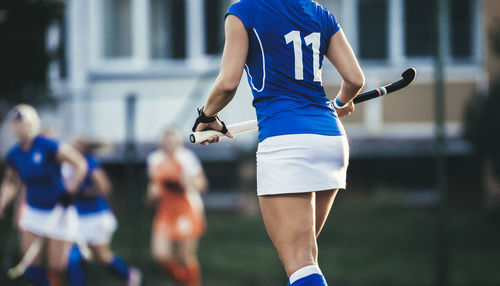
39, 170
90, 204
287, 43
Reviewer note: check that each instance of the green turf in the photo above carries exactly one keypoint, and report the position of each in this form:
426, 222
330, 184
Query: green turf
366, 241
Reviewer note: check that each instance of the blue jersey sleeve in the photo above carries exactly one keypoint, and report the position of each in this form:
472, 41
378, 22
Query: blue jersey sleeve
9, 160
244, 10
50, 146
330, 26
333, 25
92, 163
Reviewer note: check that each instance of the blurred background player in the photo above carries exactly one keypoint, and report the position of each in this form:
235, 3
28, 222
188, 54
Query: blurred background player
176, 180
35, 161
97, 221
303, 152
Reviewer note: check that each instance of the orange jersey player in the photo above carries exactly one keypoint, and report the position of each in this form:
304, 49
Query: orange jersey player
176, 180
176, 217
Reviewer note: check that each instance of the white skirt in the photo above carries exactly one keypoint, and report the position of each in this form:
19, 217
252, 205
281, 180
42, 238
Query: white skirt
97, 228
35, 221
301, 163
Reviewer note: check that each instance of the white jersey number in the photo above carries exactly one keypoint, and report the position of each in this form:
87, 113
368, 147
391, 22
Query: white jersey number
313, 39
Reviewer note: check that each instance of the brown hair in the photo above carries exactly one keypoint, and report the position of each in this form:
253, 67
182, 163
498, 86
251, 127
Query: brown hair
88, 145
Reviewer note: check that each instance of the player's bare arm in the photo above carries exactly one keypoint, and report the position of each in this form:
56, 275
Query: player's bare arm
341, 55
198, 182
101, 186
68, 154
153, 193
226, 84
8, 189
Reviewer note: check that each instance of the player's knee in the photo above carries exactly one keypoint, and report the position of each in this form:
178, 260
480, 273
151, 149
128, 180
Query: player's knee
103, 256
56, 267
300, 249
160, 256
56, 264
187, 258
303, 239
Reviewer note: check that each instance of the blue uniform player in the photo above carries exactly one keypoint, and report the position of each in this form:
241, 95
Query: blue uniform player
288, 92
97, 222
35, 161
303, 153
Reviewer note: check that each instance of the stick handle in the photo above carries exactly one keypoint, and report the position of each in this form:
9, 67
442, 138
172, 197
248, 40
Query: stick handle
236, 128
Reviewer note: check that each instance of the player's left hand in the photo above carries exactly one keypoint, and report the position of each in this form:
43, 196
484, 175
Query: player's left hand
347, 110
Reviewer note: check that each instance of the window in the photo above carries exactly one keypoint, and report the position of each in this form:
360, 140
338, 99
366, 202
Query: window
373, 32
461, 28
421, 28
117, 38
215, 11
168, 29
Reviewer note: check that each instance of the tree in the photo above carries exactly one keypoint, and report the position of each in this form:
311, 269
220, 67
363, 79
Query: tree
482, 130
23, 57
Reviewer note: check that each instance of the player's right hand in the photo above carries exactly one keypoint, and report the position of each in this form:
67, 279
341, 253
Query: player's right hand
346, 111
216, 125
204, 123
66, 199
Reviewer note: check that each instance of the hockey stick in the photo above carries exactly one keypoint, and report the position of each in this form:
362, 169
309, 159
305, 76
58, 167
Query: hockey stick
36, 245
11, 246
407, 77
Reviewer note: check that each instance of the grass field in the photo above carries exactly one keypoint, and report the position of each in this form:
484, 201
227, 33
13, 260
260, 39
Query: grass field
368, 240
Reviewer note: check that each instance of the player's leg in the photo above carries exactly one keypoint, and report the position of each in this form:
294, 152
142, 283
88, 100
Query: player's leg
57, 259
324, 202
35, 273
290, 223
98, 231
115, 264
162, 249
188, 257
76, 267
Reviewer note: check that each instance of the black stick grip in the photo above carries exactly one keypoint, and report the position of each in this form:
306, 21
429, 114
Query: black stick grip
408, 76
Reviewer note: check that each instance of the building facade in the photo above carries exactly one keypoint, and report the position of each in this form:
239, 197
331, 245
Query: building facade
166, 53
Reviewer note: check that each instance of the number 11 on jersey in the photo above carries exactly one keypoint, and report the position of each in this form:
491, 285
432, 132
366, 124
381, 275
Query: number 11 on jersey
313, 39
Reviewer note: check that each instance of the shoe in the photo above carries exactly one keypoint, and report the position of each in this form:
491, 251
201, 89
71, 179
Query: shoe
135, 277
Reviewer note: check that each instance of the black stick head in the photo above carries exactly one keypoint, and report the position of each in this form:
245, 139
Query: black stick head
409, 75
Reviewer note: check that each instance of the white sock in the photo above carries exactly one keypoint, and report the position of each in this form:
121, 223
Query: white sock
304, 272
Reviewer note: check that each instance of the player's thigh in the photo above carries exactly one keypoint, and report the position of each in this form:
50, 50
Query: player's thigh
27, 239
290, 220
102, 252
161, 247
57, 254
324, 201
187, 249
